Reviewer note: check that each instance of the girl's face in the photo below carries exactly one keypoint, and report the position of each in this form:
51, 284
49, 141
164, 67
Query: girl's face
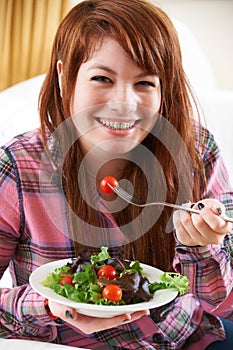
115, 103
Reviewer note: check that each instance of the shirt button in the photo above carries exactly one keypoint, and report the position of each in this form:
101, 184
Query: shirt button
157, 338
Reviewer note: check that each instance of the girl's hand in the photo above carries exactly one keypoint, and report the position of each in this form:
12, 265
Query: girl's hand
88, 324
206, 228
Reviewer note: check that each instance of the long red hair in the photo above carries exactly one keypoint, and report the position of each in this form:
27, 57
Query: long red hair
149, 37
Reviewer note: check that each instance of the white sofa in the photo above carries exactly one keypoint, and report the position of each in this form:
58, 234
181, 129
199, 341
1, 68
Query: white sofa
216, 104
18, 104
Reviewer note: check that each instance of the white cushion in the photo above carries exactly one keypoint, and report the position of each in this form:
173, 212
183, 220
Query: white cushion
196, 64
19, 108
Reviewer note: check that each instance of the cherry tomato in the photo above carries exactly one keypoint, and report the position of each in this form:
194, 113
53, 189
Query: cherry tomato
112, 293
104, 184
67, 280
107, 271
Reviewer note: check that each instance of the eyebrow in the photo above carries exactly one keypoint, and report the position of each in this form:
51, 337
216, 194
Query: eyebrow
109, 70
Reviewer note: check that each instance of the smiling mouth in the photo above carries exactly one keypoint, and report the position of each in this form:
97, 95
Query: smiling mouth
116, 125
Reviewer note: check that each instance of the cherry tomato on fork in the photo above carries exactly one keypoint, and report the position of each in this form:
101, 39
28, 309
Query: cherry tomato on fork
107, 271
104, 184
112, 293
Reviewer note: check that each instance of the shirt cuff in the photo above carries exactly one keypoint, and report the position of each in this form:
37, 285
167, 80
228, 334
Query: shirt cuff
198, 253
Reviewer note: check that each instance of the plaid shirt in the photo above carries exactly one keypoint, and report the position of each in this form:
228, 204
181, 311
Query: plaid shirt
29, 238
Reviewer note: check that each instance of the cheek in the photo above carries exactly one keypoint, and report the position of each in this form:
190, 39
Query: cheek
157, 101
84, 99
79, 102
151, 109
80, 99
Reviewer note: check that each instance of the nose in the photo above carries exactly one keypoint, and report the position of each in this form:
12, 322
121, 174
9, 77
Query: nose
123, 100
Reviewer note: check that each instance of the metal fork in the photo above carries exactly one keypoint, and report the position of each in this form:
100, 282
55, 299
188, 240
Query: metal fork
132, 200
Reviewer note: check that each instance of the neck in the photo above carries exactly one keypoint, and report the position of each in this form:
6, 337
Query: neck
113, 167
99, 167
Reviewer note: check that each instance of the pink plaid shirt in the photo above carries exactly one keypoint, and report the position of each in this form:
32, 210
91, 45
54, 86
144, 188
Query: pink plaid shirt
29, 238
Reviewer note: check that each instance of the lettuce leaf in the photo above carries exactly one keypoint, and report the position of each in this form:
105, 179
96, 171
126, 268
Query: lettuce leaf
100, 257
171, 280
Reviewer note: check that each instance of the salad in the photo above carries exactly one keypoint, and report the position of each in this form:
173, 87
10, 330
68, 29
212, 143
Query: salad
97, 278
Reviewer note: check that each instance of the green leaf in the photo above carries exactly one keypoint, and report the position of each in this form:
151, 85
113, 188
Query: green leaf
84, 278
171, 280
136, 267
95, 293
62, 271
101, 256
55, 276
51, 279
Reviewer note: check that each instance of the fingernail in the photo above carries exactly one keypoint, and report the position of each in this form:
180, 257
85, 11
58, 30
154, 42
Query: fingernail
125, 320
219, 210
69, 314
200, 206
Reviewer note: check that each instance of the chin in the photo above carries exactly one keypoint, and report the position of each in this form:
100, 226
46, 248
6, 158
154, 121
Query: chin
118, 148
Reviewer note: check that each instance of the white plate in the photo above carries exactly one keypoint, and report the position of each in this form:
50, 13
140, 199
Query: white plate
161, 297
12, 344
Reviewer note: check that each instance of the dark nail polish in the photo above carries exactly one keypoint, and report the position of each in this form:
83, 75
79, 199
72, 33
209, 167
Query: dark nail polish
69, 314
200, 206
219, 210
125, 320
192, 205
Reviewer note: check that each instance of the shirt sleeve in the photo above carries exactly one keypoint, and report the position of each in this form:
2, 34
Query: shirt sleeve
209, 268
22, 312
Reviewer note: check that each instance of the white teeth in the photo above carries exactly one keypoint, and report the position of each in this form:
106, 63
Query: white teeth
117, 125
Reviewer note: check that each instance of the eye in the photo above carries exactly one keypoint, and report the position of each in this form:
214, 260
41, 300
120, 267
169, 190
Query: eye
101, 79
146, 83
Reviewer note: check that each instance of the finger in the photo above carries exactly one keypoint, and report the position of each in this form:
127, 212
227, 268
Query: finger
195, 235
205, 233
179, 216
181, 221
220, 211
210, 221
195, 231
136, 315
217, 207
89, 324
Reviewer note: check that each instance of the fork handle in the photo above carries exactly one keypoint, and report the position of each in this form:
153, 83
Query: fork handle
227, 219
195, 211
